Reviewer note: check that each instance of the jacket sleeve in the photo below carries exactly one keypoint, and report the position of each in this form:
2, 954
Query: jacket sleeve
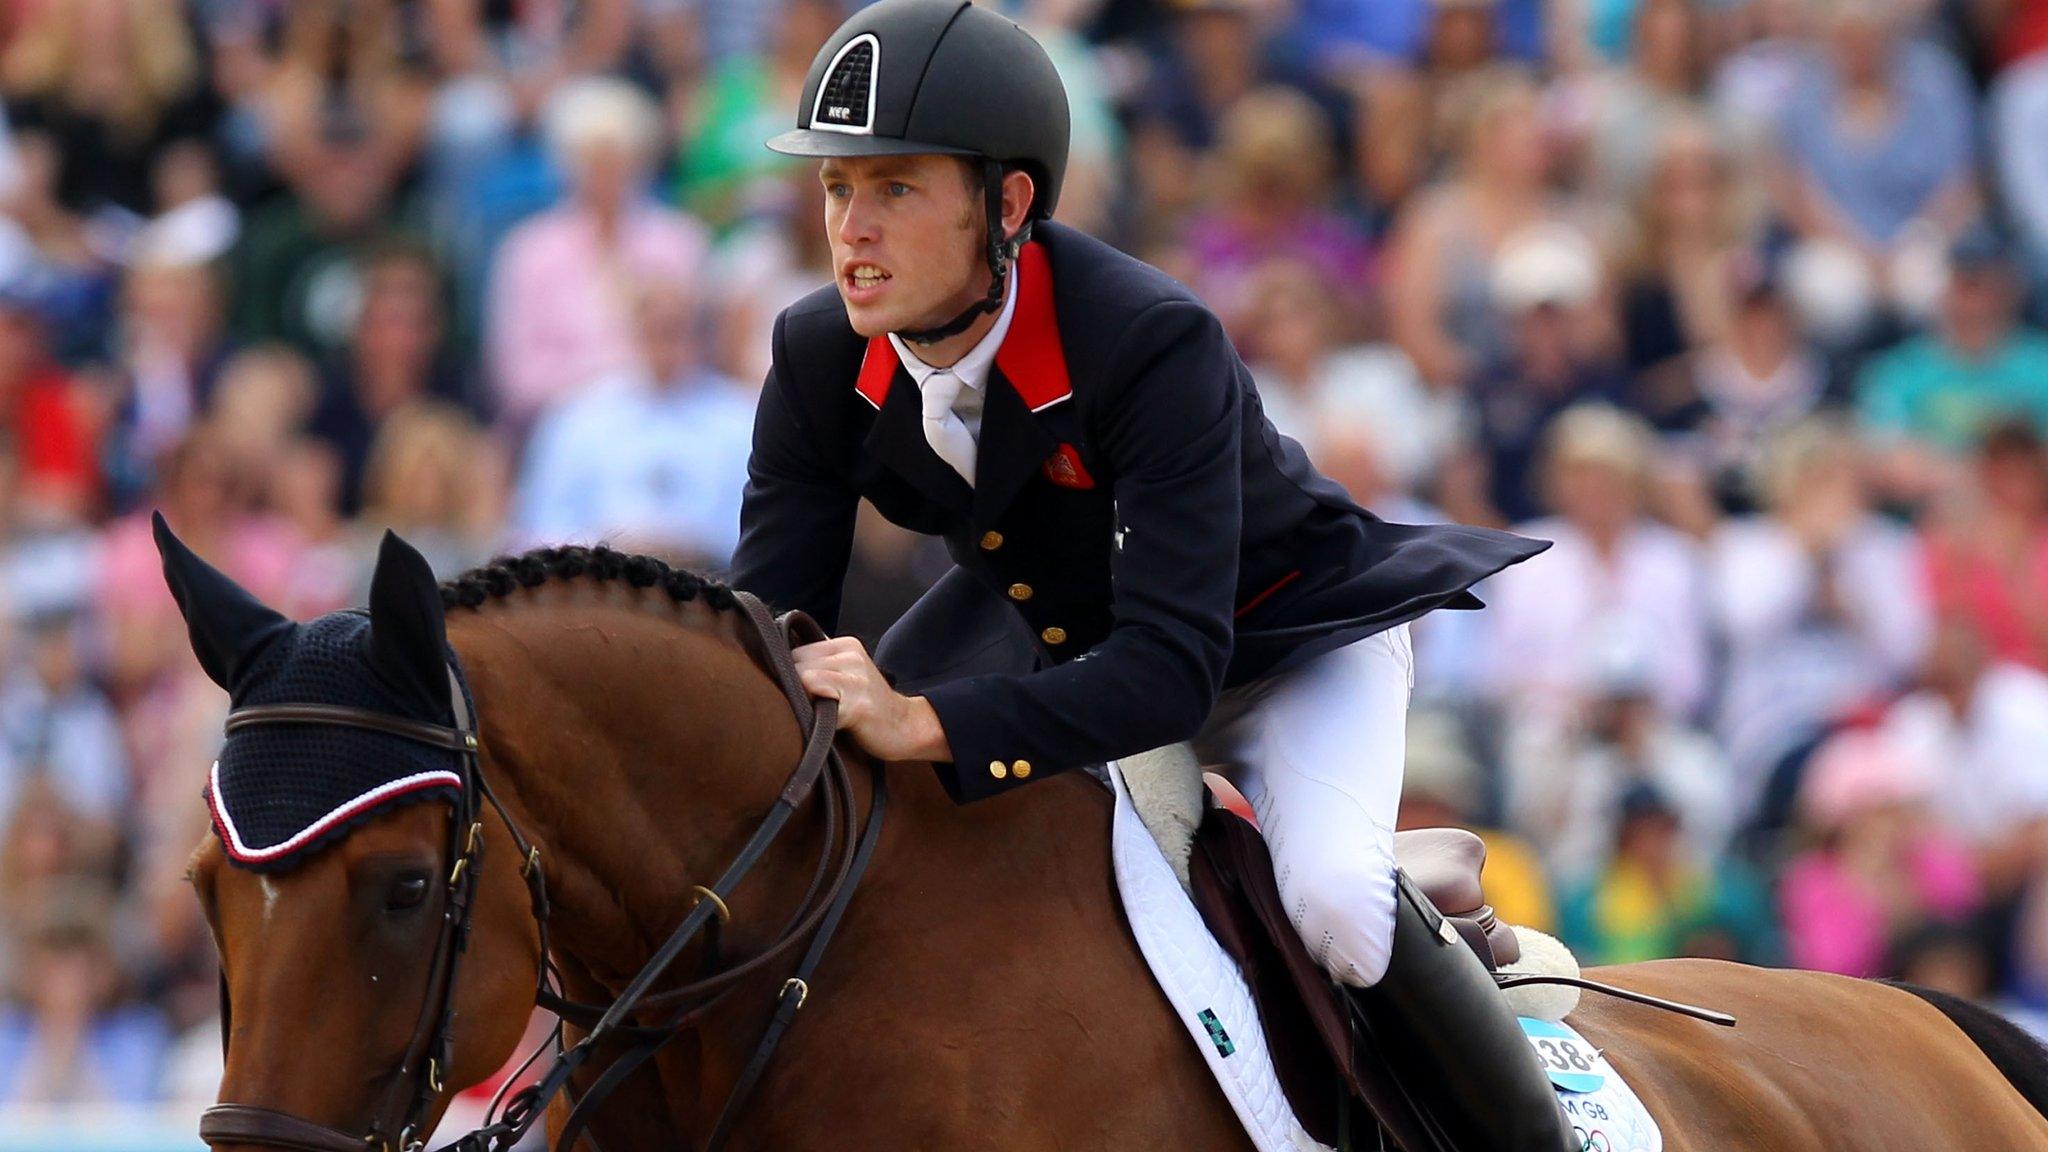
1171, 437
796, 520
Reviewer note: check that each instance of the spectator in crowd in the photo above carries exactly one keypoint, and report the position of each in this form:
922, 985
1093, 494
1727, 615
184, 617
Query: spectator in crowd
1398, 117
1273, 166
654, 459
1880, 869
1615, 580
562, 294
1821, 603
1441, 788
2018, 113
1654, 900
1695, 225
342, 89
207, 497
172, 348
1758, 378
1547, 285
265, 395
1980, 726
1877, 140
1987, 554
780, 257
1632, 107
45, 565
1754, 81
111, 83
506, 61
42, 411
722, 169
434, 478
68, 1037
1448, 238
1928, 400
1310, 380
1566, 787
1405, 31
297, 265
397, 354
56, 727
1208, 58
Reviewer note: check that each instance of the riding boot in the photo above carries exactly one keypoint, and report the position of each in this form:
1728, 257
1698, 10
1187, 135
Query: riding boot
1445, 1027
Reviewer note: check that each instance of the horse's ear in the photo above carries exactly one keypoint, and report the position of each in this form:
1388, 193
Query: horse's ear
229, 627
408, 637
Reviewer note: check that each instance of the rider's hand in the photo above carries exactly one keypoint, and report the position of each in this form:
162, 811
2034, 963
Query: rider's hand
883, 721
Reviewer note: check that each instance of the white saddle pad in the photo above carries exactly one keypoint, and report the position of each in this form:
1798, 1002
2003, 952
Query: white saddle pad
1201, 981
1209, 995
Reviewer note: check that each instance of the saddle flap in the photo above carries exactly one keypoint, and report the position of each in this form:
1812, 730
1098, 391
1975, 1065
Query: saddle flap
1306, 1019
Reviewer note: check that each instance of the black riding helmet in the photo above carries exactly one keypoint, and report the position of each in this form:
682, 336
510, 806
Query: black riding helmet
915, 77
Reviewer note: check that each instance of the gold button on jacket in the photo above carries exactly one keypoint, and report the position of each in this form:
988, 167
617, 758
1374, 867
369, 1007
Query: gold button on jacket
1020, 591
990, 541
1054, 635
998, 769
1021, 769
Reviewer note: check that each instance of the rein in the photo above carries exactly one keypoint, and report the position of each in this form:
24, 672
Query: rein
817, 917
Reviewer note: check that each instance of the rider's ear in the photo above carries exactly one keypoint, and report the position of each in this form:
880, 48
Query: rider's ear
408, 638
229, 627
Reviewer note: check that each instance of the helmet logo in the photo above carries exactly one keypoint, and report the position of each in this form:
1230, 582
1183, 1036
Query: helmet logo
846, 97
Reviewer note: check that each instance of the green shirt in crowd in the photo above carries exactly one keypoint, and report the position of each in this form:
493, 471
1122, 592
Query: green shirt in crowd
1922, 390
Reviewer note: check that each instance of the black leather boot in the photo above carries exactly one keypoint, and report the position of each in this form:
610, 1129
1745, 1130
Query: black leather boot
1446, 1030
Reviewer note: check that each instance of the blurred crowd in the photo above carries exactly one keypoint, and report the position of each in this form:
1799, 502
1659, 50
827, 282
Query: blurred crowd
1735, 300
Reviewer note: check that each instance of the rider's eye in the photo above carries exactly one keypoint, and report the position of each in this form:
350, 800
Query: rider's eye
406, 892
899, 189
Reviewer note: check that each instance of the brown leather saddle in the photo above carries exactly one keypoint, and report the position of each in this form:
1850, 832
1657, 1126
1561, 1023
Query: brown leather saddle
1327, 1069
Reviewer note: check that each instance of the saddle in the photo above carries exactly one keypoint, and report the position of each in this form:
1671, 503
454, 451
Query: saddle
1323, 1069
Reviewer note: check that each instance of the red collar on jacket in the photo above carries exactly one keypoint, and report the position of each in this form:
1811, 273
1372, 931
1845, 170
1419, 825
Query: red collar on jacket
1031, 358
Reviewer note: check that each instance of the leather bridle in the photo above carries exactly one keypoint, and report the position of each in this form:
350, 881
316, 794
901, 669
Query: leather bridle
418, 1082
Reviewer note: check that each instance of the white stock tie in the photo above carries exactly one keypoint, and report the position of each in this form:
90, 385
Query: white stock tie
943, 428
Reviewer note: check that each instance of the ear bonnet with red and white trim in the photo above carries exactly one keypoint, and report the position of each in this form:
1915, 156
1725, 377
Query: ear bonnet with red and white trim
282, 791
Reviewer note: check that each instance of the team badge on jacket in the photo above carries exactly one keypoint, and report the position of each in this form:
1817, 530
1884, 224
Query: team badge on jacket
1064, 469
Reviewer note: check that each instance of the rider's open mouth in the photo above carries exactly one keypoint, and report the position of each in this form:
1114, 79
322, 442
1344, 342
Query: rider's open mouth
865, 276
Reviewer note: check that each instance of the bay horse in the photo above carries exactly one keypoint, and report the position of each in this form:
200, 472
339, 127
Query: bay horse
982, 993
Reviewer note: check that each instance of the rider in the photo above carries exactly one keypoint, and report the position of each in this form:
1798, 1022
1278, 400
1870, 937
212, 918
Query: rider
1078, 429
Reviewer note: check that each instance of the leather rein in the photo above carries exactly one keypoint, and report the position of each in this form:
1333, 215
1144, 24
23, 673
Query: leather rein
397, 1125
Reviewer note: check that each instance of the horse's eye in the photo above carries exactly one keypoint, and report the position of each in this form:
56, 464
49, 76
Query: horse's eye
407, 891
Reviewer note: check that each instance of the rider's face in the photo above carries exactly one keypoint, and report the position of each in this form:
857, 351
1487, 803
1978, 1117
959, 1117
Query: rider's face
906, 235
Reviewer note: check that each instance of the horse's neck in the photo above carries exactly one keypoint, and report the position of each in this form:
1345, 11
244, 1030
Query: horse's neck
638, 747
640, 755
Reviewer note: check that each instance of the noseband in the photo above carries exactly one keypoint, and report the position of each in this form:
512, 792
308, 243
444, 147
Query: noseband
419, 1081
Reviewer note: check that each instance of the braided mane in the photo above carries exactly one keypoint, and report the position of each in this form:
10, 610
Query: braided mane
507, 574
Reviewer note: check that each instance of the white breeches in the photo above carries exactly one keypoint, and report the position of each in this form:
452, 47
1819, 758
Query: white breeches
1318, 752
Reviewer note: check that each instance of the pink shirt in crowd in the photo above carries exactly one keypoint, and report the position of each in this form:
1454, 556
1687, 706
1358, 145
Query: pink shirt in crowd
1966, 583
561, 308
1835, 923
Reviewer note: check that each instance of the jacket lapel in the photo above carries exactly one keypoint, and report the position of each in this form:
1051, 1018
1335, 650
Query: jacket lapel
1013, 445
1030, 377
897, 438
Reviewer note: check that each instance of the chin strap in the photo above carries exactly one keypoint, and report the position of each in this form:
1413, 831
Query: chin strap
1000, 253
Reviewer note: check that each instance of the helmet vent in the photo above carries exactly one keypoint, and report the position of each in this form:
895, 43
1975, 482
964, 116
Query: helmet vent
846, 100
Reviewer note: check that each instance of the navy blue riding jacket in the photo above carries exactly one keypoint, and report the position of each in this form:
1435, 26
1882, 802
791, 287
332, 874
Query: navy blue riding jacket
1132, 505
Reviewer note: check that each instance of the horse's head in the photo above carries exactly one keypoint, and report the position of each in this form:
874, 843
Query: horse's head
327, 881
